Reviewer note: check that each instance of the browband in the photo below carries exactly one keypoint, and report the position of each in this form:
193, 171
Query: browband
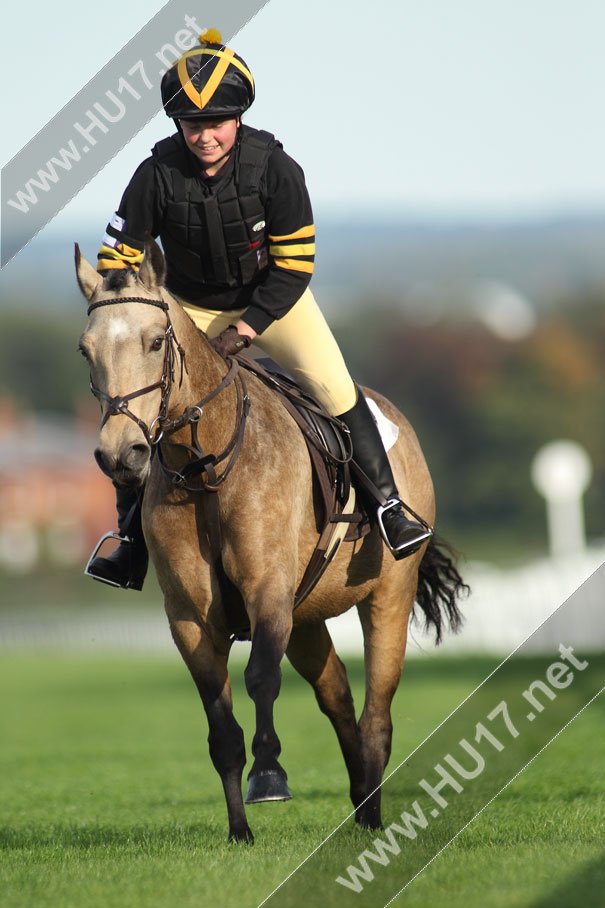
160, 304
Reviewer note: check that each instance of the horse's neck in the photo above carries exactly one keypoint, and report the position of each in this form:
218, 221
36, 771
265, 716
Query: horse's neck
204, 370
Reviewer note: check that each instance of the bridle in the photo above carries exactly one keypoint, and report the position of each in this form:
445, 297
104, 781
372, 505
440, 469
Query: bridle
118, 406
161, 426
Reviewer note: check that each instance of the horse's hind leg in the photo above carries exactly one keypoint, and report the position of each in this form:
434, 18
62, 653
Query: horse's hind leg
384, 619
226, 740
312, 654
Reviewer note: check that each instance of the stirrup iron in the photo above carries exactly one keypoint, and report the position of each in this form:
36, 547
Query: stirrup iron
118, 538
413, 547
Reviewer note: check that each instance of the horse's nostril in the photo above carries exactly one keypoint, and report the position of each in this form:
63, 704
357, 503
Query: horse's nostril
137, 455
103, 462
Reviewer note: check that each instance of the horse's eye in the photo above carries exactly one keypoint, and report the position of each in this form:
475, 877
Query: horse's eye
157, 344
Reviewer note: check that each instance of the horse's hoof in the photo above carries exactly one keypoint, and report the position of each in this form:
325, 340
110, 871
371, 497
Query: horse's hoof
242, 837
368, 820
269, 785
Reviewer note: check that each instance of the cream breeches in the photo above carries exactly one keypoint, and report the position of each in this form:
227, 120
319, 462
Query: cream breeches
302, 343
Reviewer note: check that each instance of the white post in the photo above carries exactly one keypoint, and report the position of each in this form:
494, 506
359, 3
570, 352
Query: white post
561, 472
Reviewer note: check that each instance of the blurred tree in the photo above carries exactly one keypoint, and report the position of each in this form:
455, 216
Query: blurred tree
39, 365
482, 407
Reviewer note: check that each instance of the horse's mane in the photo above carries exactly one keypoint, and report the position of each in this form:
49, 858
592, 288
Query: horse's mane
118, 278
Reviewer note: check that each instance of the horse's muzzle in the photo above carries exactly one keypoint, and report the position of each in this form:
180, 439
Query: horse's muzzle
127, 467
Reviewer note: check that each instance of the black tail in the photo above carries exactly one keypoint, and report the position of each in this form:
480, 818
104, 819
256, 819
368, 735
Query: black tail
439, 587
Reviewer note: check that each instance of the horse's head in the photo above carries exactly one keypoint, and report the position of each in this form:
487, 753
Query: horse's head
129, 347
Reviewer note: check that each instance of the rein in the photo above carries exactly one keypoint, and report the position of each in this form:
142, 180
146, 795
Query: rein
201, 462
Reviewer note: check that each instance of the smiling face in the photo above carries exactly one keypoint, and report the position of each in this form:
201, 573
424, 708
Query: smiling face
210, 141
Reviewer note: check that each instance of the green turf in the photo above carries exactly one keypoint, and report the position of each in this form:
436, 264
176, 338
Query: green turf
109, 797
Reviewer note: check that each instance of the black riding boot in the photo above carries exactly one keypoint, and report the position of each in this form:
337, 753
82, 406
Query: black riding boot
401, 535
127, 566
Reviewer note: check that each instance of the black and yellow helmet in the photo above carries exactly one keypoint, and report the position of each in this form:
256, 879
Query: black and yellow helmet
209, 81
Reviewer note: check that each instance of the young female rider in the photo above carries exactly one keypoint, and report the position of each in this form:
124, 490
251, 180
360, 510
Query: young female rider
235, 221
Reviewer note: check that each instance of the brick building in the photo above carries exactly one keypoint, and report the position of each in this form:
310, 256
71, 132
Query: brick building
54, 500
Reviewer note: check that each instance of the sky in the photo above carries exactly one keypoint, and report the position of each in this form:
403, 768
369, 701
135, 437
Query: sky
489, 108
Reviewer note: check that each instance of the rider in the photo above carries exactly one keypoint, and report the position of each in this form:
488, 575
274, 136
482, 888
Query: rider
234, 217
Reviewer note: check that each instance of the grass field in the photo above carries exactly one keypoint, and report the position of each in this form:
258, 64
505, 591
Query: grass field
109, 797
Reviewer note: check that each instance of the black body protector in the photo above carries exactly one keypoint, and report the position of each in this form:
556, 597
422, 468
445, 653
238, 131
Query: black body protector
216, 234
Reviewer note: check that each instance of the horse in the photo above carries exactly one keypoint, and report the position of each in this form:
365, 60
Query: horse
153, 369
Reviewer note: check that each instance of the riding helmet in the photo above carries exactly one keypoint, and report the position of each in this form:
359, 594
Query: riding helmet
207, 82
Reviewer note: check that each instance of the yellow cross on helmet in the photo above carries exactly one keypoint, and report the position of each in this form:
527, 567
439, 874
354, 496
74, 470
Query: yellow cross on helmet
209, 81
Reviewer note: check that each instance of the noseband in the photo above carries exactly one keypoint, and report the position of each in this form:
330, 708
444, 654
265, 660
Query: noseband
118, 406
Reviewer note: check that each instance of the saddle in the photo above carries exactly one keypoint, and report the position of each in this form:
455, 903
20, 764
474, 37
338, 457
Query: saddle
340, 514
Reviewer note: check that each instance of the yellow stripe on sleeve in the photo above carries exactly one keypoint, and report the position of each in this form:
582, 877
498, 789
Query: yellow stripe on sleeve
102, 264
122, 256
295, 265
136, 255
301, 249
297, 235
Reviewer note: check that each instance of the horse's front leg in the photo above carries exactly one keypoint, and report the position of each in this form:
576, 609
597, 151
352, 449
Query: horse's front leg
208, 667
271, 620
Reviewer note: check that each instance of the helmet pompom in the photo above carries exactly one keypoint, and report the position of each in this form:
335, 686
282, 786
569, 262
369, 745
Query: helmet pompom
211, 36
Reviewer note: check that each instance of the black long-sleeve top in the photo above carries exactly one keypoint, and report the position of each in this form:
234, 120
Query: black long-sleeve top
289, 226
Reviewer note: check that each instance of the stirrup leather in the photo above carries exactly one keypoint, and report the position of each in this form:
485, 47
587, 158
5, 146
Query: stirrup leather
397, 502
97, 549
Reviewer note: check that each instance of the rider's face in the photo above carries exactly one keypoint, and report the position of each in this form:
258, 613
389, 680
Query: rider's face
210, 140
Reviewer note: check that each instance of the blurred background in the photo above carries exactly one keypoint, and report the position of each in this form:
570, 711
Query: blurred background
455, 160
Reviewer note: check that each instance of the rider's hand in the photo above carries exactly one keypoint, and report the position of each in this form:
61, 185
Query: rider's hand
229, 342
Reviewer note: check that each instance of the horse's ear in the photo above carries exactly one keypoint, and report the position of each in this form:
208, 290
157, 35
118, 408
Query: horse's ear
88, 279
152, 272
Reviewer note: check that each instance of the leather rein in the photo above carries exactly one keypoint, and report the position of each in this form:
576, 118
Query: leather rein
161, 427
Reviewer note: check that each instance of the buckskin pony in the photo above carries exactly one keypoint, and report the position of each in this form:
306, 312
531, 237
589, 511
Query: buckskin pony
153, 370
